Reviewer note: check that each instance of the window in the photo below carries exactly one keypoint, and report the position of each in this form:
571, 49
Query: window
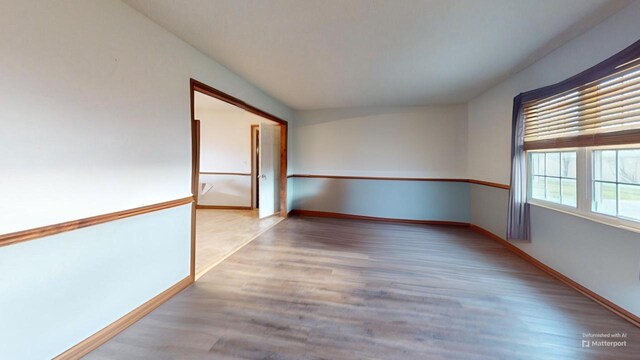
583, 149
553, 177
616, 183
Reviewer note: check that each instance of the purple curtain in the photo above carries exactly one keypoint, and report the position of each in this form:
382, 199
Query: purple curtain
518, 219
518, 223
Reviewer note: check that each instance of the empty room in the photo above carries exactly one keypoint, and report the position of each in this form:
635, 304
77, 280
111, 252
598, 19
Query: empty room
313, 179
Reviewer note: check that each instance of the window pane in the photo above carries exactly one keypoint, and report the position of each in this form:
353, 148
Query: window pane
604, 165
553, 164
629, 201
553, 189
629, 166
604, 198
569, 192
568, 168
537, 163
537, 187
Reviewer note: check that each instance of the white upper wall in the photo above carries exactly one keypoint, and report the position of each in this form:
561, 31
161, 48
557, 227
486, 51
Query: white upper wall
225, 147
94, 110
490, 113
225, 140
392, 142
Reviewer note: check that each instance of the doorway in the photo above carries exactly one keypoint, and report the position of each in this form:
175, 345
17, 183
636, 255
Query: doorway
238, 194
255, 165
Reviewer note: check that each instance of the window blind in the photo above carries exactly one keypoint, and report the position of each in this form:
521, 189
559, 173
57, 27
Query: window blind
603, 112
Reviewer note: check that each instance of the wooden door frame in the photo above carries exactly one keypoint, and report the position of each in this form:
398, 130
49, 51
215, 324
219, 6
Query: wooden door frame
255, 189
195, 85
195, 173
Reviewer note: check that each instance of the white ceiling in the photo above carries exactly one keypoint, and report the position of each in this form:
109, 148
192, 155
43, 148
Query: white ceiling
313, 54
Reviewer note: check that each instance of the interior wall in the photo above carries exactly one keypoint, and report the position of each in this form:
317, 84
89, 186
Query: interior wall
600, 257
89, 88
95, 116
391, 199
414, 142
57, 291
393, 142
95, 112
225, 147
225, 140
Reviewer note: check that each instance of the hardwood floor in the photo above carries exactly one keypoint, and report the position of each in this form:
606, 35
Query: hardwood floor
317, 288
221, 232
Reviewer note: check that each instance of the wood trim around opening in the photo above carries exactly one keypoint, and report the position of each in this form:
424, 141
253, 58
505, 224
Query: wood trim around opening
203, 88
284, 131
30, 234
195, 156
94, 341
627, 315
472, 181
254, 168
208, 90
195, 183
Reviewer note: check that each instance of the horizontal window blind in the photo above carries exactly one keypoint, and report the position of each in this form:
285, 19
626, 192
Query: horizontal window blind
603, 112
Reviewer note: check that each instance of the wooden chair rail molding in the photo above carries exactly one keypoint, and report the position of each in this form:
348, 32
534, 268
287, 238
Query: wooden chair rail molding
222, 207
224, 173
30, 234
490, 184
472, 181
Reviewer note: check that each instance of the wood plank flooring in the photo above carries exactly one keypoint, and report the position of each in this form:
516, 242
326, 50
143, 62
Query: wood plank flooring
317, 288
220, 232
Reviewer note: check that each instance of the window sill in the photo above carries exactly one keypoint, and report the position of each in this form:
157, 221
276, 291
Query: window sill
613, 222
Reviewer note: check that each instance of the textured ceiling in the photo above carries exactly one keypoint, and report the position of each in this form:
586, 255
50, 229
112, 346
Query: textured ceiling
316, 54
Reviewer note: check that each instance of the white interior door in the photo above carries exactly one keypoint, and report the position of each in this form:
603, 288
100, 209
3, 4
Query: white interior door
267, 176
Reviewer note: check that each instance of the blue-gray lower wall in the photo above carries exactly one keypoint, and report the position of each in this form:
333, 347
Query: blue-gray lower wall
58, 290
290, 193
414, 200
489, 208
602, 258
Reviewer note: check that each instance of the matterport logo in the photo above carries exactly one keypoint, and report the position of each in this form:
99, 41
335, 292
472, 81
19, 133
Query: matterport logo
612, 340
